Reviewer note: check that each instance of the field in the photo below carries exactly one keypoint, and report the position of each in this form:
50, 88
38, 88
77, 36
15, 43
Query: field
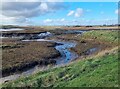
97, 70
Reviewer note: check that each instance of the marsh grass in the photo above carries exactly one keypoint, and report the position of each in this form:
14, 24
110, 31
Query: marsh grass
16, 53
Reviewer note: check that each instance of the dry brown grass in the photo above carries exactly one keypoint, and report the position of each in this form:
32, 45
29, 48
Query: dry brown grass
37, 29
16, 53
91, 28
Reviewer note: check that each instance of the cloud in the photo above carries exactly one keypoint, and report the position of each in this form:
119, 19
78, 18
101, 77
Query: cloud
23, 11
80, 21
6, 19
54, 20
62, 20
117, 11
77, 13
15, 21
43, 6
32, 1
29, 9
48, 21
23, 0
70, 13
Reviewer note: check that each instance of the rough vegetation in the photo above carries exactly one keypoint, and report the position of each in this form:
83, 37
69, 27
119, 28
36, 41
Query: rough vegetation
17, 55
99, 70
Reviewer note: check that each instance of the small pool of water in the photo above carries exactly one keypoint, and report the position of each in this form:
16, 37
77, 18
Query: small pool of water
75, 31
45, 34
12, 29
91, 50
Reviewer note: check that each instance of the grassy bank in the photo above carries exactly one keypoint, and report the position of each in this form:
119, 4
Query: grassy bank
99, 70
108, 36
94, 72
96, 39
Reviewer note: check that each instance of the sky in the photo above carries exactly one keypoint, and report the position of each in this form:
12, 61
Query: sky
59, 13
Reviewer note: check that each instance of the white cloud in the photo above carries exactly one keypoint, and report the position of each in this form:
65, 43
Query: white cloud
48, 21
77, 13
54, 20
5, 20
62, 20
27, 0
24, 11
32, 0
117, 11
44, 6
15, 21
80, 21
70, 13
29, 9
55, 0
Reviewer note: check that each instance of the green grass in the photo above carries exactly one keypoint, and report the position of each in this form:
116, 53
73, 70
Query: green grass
103, 35
95, 72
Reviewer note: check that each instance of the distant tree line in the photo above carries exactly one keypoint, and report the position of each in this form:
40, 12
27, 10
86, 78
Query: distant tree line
104, 25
